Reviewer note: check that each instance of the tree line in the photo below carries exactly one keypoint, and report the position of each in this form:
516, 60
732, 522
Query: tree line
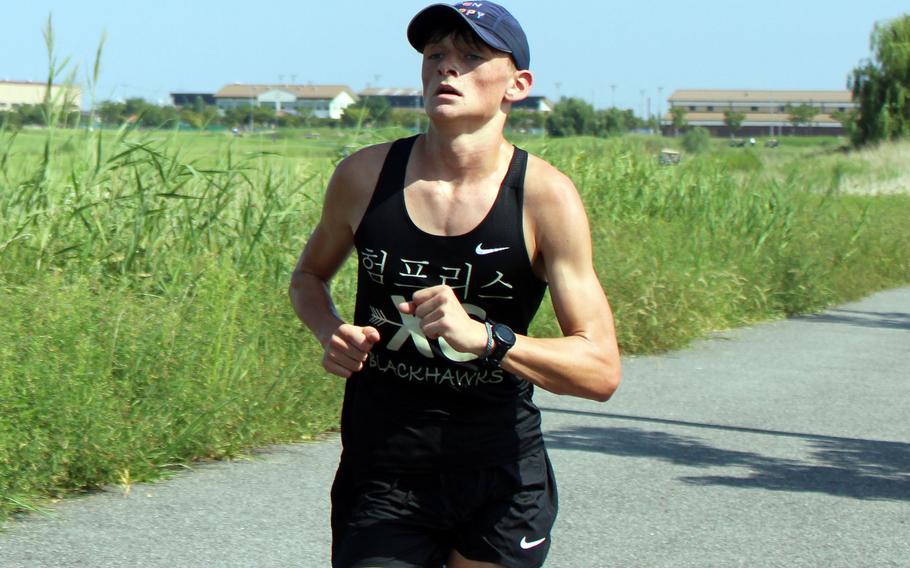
149, 115
570, 117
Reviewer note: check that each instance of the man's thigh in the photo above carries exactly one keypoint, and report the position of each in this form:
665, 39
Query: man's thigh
512, 527
496, 516
390, 522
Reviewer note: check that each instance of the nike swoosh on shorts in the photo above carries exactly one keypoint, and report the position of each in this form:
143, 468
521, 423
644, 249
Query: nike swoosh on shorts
525, 545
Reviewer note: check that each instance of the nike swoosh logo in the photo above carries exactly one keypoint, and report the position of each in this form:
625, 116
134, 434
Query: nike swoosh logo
525, 545
480, 250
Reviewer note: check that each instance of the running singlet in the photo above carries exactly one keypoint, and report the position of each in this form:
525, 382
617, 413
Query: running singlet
418, 405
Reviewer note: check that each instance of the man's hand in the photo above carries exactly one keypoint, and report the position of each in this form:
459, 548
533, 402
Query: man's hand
347, 349
441, 315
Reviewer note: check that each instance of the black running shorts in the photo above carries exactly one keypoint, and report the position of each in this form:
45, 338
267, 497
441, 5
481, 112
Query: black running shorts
501, 514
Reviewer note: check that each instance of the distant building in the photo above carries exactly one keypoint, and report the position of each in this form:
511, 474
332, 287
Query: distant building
322, 101
189, 99
537, 104
408, 99
413, 99
15, 93
766, 111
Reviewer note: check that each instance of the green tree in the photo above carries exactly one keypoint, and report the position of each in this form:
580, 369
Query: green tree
882, 86
111, 112
356, 115
31, 114
408, 118
734, 120
380, 110
697, 140
524, 119
249, 116
571, 117
370, 111
679, 119
612, 121
297, 119
848, 119
801, 115
10, 119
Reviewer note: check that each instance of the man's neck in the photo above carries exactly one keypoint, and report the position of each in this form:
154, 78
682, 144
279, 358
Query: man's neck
464, 156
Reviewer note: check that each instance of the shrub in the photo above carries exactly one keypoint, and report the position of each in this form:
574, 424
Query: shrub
696, 140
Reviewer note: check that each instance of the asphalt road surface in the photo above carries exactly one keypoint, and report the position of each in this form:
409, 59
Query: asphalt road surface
785, 444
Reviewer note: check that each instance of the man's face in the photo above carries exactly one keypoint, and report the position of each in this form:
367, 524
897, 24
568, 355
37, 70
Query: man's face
461, 79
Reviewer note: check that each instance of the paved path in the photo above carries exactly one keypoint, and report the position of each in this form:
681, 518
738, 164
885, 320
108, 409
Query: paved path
785, 444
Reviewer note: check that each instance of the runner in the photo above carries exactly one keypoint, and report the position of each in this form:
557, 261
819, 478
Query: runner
458, 234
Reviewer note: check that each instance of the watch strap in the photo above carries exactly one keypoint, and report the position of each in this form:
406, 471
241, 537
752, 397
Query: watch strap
500, 348
488, 350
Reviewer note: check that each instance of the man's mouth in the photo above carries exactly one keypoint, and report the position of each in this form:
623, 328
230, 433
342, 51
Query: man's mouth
445, 89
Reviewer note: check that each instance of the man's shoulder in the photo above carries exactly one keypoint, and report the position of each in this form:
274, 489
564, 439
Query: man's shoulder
545, 184
364, 162
353, 182
355, 176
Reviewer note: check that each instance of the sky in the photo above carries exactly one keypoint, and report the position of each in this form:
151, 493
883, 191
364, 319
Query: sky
630, 54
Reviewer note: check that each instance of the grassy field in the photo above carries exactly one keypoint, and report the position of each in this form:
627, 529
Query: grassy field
143, 313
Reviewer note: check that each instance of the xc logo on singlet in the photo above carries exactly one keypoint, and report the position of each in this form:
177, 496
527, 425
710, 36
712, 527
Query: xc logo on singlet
409, 328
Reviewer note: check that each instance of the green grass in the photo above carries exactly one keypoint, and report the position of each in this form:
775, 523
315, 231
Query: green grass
144, 321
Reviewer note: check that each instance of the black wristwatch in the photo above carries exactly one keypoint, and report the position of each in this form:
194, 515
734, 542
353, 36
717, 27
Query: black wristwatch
503, 340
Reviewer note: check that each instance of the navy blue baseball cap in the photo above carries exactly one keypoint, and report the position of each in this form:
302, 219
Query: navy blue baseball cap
491, 22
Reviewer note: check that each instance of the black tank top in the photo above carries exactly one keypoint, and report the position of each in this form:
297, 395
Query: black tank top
419, 405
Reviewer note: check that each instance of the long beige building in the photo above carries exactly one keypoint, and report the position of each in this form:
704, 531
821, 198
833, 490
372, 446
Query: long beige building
765, 110
15, 93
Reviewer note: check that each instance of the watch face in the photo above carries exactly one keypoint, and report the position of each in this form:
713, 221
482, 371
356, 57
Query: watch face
504, 334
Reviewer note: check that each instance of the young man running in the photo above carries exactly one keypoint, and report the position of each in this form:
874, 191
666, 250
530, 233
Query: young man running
458, 234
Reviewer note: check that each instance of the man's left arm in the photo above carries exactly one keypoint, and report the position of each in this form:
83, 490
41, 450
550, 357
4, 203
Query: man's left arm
584, 362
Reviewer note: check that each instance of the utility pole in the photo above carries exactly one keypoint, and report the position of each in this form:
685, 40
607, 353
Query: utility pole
650, 116
613, 95
660, 118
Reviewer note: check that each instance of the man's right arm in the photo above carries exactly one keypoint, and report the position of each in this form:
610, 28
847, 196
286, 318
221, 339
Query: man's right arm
345, 347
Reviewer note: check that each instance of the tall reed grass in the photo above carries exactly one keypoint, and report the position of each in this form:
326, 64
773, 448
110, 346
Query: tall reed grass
725, 239
143, 314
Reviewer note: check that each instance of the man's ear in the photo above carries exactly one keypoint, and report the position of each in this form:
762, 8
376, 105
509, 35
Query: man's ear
520, 87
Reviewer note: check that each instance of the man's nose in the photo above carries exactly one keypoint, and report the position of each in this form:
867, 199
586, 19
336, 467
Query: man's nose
448, 65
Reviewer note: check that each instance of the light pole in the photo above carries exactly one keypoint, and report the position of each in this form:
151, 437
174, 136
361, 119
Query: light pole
660, 118
613, 95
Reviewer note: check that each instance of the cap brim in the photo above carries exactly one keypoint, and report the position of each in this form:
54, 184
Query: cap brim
433, 17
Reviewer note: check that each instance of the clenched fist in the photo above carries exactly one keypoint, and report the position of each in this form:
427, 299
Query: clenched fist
346, 351
442, 316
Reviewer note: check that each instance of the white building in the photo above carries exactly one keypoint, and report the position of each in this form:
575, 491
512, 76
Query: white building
15, 93
322, 101
535, 103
